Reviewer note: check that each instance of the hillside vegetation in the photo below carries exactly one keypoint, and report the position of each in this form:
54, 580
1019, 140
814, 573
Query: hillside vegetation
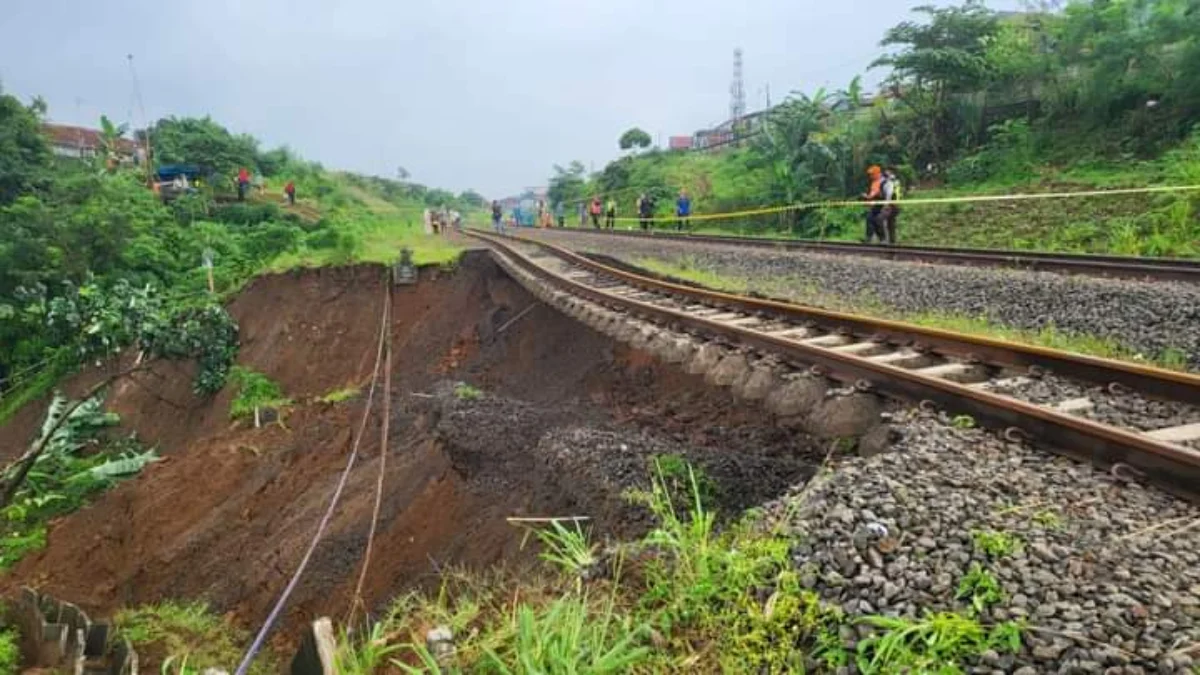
83, 244
1095, 95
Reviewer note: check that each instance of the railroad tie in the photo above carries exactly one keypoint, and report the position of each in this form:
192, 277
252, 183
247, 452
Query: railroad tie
1180, 434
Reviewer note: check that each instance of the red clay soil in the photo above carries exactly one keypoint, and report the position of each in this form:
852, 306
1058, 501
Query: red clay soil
227, 515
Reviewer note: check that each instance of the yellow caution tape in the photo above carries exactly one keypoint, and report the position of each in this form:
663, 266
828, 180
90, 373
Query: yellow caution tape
803, 206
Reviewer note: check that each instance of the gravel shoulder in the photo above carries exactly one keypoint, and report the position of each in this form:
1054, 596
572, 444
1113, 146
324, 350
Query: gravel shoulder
1103, 572
1150, 318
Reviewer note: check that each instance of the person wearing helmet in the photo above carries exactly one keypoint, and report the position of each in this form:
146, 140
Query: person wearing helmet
874, 195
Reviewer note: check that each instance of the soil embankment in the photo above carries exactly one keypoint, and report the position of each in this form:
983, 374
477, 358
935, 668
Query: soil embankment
567, 421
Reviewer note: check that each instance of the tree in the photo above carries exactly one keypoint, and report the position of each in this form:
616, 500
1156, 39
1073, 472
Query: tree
567, 184
402, 173
204, 142
24, 154
944, 56
471, 199
634, 138
110, 135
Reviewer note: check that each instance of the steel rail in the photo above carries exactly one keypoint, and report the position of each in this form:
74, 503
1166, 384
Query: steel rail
1124, 267
1172, 466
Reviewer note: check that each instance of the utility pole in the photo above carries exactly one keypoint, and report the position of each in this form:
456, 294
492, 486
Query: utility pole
737, 88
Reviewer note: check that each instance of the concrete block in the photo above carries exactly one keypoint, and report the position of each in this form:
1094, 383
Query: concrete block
729, 370
761, 381
706, 358
796, 397
848, 416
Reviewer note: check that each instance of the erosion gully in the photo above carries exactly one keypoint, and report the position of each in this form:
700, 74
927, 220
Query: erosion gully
1124, 267
1133, 418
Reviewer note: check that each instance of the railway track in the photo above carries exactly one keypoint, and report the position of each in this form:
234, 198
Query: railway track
1124, 267
1111, 413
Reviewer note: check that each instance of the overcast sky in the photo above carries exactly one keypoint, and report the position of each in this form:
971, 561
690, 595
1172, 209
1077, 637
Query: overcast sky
479, 94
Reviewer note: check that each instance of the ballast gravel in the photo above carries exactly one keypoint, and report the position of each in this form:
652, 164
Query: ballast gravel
1105, 574
1150, 317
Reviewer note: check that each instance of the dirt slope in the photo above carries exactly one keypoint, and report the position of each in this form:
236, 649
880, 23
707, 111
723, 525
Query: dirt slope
567, 422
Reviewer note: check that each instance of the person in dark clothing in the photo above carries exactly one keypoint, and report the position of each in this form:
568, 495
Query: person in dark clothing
497, 223
683, 210
891, 209
874, 195
645, 207
290, 191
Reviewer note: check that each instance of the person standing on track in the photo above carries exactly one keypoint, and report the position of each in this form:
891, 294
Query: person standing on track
594, 210
874, 195
645, 207
497, 214
610, 213
560, 214
891, 195
683, 211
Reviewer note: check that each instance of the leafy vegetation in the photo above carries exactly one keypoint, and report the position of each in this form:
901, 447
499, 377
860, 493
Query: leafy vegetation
92, 261
683, 597
78, 462
10, 651
255, 392
186, 639
975, 101
995, 544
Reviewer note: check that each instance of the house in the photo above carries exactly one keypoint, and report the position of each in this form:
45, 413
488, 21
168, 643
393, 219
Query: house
679, 143
731, 132
83, 143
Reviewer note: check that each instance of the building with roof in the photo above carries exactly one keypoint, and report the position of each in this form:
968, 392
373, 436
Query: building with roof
83, 143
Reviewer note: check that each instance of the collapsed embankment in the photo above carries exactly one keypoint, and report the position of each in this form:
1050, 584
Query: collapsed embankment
567, 423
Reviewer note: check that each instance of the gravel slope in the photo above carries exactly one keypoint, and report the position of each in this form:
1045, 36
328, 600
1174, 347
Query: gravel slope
1146, 316
1105, 573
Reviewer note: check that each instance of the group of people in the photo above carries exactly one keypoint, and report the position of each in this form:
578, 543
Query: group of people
439, 221
882, 194
243, 186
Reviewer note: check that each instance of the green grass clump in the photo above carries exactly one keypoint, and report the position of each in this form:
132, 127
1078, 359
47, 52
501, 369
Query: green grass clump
980, 587
187, 638
936, 643
465, 392
255, 392
995, 544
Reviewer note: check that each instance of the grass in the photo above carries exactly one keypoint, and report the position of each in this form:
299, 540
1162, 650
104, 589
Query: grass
801, 291
995, 544
980, 587
187, 638
685, 597
374, 239
465, 392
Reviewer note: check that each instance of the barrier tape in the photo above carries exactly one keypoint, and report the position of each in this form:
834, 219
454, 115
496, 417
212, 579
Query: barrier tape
803, 206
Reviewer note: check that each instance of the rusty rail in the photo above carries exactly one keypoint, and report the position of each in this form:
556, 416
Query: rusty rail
1173, 466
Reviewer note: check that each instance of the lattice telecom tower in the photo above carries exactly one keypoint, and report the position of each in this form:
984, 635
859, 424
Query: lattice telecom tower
737, 89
